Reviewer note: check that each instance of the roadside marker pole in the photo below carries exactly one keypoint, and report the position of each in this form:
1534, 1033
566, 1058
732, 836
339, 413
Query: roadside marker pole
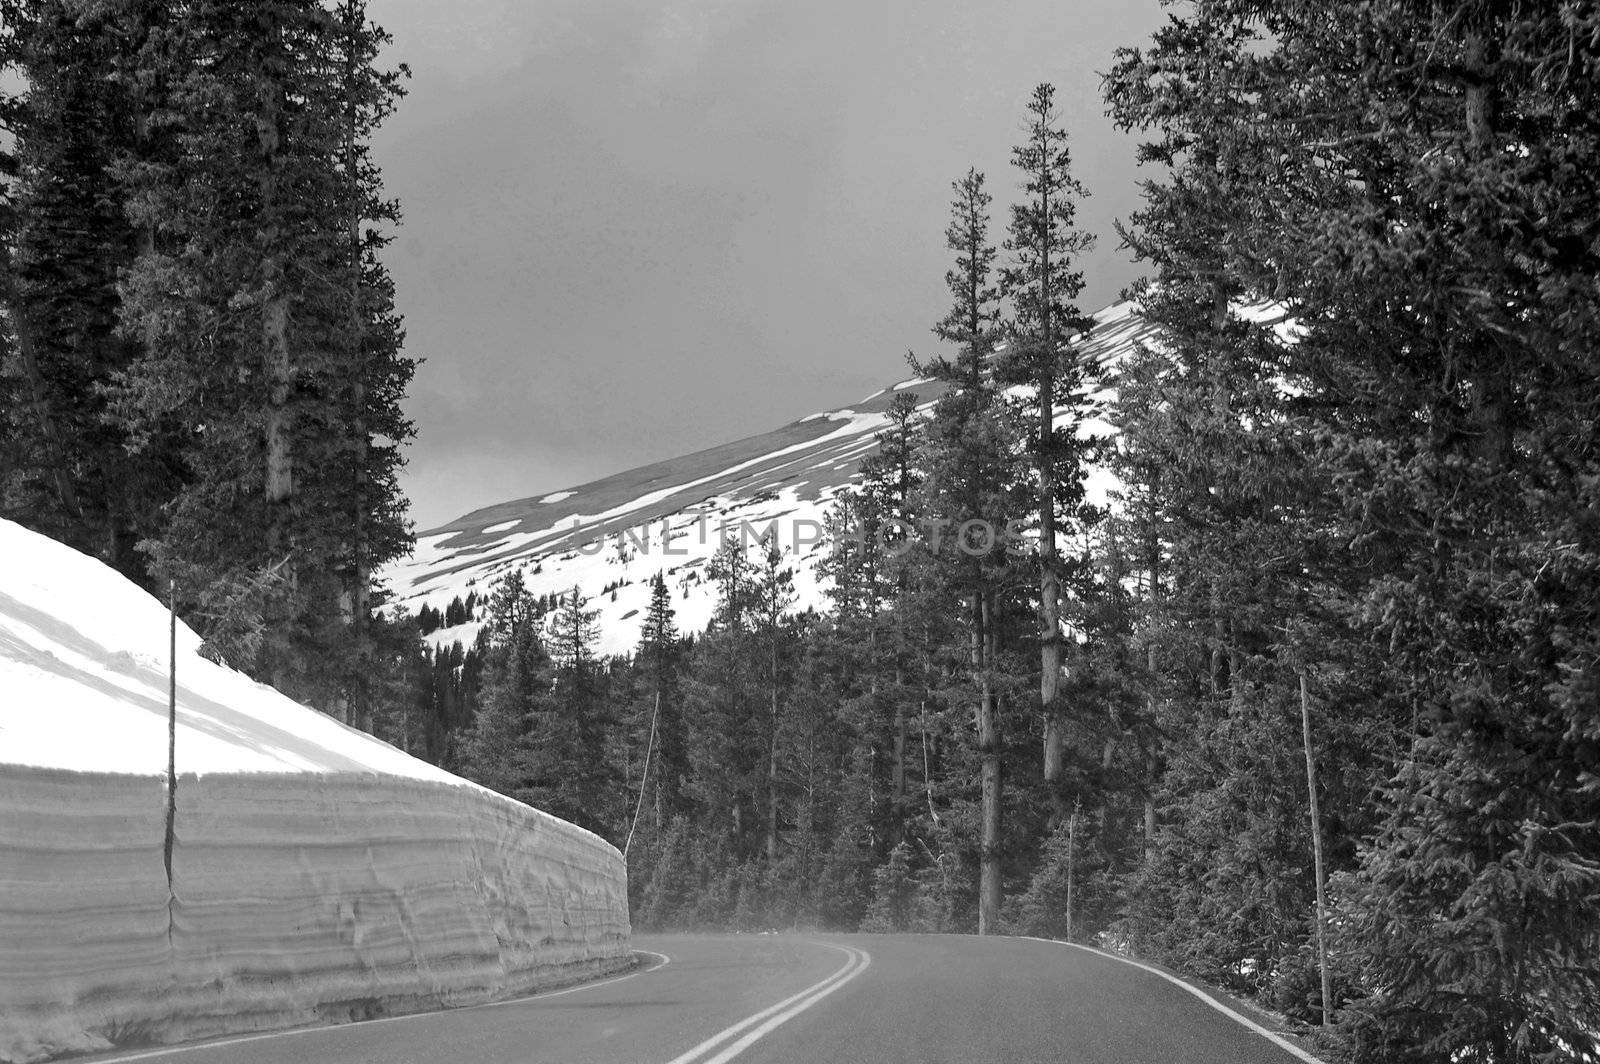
644, 779
172, 685
1316, 851
172, 746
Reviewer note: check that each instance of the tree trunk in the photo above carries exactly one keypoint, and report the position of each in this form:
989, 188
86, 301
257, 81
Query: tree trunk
989, 887
1072, 859
360, 590
1149, 804
1051, 650
1151, 761
1221, 406
1482, 103
772, 760
278, 364
898, 768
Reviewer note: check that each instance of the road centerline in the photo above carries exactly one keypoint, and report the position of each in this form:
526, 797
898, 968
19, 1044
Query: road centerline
773, 1016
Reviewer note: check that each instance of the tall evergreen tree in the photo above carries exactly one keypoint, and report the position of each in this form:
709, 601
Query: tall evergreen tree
66, 468
372, 425
267, 330
773, 595
571, 771
1041, 282
890, 481
498, 749
659, 655
723, 702
1414, 201
969, 457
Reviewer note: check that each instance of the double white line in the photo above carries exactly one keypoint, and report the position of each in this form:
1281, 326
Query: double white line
754, 1027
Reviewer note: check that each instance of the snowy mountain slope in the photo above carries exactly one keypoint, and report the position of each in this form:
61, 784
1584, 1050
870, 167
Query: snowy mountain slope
615, 531
311, 869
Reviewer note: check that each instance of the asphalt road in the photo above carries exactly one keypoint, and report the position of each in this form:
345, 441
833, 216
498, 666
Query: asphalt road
782, 999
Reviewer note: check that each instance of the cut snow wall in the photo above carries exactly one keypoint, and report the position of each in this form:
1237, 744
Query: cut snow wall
296, 898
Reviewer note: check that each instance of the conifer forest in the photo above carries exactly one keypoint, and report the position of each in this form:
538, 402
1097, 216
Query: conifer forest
1311, 713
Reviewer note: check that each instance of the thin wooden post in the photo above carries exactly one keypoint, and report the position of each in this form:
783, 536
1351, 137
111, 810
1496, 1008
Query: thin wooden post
1072, 857
170, 838
1316, 851
644, 779
172, 684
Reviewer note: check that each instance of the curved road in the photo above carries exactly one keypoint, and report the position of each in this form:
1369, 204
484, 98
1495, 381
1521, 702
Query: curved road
784, 999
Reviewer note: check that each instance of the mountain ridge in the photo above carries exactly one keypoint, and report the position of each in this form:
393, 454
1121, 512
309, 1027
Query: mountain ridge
610, 536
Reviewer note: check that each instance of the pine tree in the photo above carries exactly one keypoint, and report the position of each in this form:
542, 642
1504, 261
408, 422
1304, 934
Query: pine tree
670, 896
1042, 283
722, 710
373, 423
494, 750
498, 750
659, 657
1404, 179
893, 893
969, 459
860, 586
266, 328
66, 468
772, 596
890, 480
572, 774
1237, 531
842, 884
1472, 896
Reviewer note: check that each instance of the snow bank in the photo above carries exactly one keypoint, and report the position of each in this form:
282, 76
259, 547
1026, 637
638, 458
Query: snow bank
317, 873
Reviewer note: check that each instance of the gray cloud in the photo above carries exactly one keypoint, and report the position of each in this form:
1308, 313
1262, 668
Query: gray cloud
636, 229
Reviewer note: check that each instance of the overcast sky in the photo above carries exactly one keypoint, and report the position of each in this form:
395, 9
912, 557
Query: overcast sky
635, 228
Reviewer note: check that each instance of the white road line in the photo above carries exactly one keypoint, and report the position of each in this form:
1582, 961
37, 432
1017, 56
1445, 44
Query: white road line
780, 1013
329, 1028
783, 1017
1271, 1036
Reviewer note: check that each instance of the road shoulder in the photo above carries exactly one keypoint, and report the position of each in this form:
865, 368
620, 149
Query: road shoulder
1270, 1025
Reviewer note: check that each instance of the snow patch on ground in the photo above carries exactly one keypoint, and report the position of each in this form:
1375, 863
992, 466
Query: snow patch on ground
465, 634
